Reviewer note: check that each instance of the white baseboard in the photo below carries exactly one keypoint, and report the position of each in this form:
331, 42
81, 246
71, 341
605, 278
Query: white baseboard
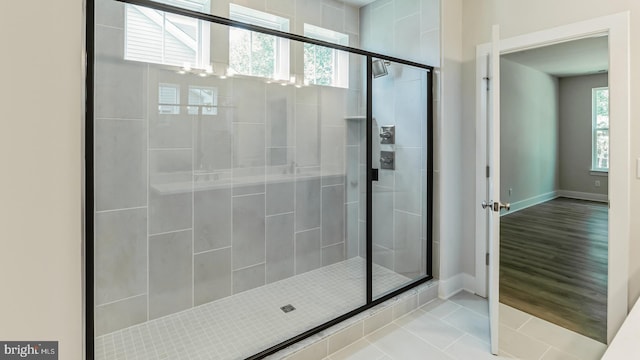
453, 285
583, 195
523, 204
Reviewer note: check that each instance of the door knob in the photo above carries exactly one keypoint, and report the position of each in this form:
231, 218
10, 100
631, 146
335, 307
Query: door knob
496, 205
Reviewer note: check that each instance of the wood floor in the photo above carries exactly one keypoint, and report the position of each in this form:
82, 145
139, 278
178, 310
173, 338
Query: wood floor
553, 264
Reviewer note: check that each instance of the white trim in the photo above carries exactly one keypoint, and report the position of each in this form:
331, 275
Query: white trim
532, 201
617, 28
482, 64
453, 285
583, 195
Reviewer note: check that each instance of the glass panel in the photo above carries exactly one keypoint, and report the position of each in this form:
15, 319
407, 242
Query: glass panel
222, 202
400, 195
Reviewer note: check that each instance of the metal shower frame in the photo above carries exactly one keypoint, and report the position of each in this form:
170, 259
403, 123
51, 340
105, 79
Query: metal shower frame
371, 171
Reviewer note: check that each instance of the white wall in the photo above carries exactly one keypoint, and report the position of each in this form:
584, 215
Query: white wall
520, 17
41, 158
453, 260
528, 133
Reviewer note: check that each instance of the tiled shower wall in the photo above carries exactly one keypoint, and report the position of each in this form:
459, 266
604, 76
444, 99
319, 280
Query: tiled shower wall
399, 227
194, 208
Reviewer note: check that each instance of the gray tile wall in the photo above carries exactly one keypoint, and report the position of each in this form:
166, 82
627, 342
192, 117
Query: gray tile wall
389, 27
191, 209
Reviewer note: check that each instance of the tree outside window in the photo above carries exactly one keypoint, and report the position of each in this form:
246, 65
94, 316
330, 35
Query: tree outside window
600, 126
323, 65
257, 54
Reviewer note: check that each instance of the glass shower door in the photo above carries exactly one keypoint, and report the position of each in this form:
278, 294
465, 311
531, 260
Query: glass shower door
399, 196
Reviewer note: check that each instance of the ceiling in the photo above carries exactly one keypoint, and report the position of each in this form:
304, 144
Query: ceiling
358, 3
577, 57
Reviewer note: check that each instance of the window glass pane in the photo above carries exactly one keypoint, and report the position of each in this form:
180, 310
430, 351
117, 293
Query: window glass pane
168, 99
602, 108
163, 38
256, 54
180, 40
324, 66
143, 37
602, 149
320, 65
240, 50
263, 55
203, 100
600, 128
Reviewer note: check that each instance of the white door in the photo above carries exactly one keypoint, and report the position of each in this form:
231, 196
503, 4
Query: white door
492, 204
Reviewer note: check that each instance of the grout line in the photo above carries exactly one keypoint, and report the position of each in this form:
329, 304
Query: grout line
266, 167
524, 323
98, 119
108, 26
245, 195
193, 216
148, 189
545, 353
122, 209
173, 149
250, 266
446, 348
307, 230
407, 212
378, 347
336, 244
278, 214
170, 232
119, 300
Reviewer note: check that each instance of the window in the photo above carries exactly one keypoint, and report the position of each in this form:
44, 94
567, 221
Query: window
168, 99
256, 54
203, 100
157, 37
600, 129
322, 65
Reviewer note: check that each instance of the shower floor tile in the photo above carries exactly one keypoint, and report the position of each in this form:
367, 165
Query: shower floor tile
246, 323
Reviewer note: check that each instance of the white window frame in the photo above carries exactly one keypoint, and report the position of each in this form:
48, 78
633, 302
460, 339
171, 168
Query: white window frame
269, 21
340, 76
201, 46
199, 108
172, 108
594, 131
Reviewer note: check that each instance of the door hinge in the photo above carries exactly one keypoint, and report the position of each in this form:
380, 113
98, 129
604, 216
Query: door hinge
487, 258
488, 80
488, 171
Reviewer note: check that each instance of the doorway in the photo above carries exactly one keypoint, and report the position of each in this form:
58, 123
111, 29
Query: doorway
616, 27
554, 173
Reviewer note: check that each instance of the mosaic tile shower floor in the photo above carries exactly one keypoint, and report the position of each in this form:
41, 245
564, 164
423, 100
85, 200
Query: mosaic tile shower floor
246, 323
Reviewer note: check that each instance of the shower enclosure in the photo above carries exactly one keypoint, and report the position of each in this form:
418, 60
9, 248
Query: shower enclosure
247, 187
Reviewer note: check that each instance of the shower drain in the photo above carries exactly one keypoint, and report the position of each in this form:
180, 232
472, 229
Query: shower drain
287, 308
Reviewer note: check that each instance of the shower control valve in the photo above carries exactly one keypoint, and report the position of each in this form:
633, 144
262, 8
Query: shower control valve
388, 134
387, 160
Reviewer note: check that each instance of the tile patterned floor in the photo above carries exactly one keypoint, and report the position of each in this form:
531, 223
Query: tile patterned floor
458, 329
528, 337
246, 323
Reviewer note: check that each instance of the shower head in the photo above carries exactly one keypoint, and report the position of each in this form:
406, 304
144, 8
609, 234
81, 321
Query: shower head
379, 68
